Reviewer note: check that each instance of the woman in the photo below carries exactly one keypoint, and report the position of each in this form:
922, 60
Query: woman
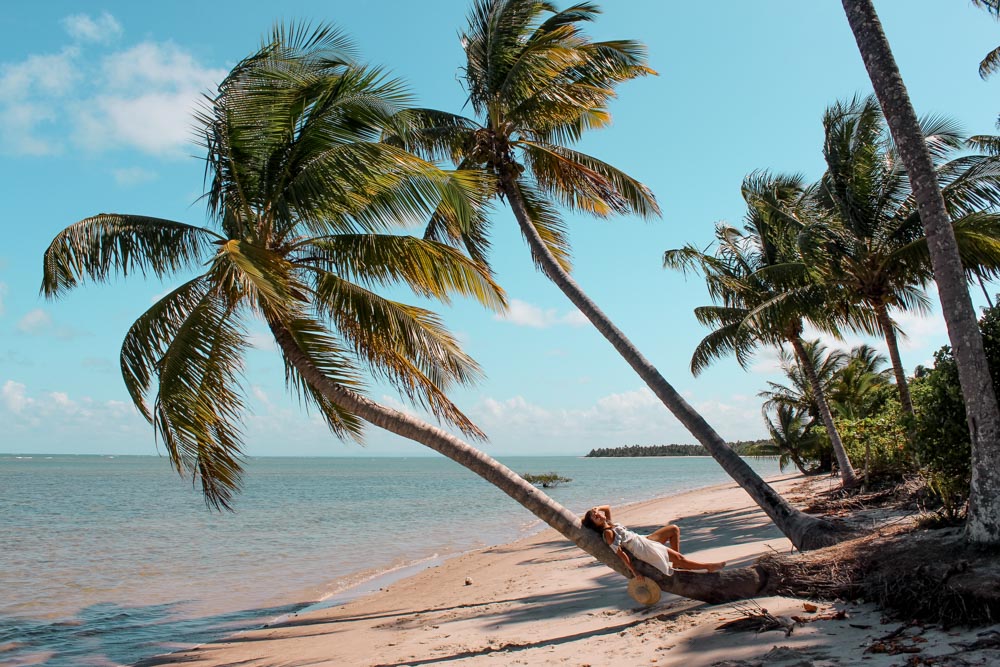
652, 549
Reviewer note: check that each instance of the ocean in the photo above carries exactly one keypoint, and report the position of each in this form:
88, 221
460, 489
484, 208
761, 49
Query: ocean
105, 560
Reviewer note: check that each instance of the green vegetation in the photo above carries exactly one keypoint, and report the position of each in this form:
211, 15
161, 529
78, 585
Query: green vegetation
740, 447
547, 480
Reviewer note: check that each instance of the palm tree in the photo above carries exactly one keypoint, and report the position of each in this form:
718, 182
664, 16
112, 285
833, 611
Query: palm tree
791, 440
858, 387
536, 82
304, 202
983, 524
763, 290
798, 393
868, 238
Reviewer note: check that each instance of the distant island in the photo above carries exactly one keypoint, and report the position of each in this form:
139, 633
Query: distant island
740, 446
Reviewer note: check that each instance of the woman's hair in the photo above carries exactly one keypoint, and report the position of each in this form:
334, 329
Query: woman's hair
588, 522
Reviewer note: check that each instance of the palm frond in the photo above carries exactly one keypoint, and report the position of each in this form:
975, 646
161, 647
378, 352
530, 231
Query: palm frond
107, 244
199, 403
585, 183
429, 268
407, 346
149, 337
547, 221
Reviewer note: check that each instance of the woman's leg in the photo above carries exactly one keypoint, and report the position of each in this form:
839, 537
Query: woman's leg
681, 562
669, 535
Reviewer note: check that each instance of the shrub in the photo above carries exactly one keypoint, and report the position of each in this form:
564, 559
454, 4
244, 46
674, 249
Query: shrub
877, 444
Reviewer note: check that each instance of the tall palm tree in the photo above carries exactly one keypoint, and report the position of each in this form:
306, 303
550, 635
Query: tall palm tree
304, 203
536, 83
762, 289
868, 237
983, 524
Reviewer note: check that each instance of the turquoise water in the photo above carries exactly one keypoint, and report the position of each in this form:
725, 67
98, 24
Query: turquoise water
106, 560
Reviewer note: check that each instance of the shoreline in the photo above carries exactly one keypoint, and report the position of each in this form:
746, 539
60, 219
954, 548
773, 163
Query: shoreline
385, 584
380, 579
540, 600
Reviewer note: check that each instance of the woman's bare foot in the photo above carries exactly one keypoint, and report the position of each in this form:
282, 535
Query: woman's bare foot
714, 567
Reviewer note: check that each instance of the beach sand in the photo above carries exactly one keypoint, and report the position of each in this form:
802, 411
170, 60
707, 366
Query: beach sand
543, 601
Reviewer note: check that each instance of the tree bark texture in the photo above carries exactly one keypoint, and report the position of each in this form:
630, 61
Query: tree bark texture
983, 524
847, 475
804, 531
889, 329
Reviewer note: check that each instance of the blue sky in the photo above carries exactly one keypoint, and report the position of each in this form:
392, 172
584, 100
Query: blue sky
95, 105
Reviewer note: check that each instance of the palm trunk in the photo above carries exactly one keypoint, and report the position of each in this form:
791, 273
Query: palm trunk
722, 586
847, 475
494, 472
804, 531
884, 321
983, 524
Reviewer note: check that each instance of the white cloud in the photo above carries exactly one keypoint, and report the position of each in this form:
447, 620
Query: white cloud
58, 411
139, 97
13, 396
261, 395
29, 90
149, 94
53, 75
35, 321
524, 314
616, 419
919, 329
86, 29
129, 176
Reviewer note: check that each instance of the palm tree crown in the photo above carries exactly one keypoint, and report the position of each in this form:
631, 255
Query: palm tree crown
303, 202
867, 236
536, 82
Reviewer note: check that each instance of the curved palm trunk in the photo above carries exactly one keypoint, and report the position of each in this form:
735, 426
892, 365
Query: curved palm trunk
884, 321
722, 586
804, 531
983, 525
847, 475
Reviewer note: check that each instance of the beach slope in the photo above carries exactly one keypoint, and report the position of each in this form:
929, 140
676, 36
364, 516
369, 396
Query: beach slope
542, 601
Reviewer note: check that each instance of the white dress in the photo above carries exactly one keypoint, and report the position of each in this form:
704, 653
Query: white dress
643, 548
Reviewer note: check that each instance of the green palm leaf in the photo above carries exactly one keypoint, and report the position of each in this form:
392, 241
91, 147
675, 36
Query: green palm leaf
199, 403
429, 268
109, 243
148, 338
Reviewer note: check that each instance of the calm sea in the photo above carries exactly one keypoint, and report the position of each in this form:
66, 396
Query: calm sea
106, 560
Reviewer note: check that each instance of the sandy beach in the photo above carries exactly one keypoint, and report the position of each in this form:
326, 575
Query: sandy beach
542, 601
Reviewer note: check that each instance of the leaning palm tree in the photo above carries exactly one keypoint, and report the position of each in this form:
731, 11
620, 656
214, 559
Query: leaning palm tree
868, 237
963, 329
304, 204
762, 290
536, 83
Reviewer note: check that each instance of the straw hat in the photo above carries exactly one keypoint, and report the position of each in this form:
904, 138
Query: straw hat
644, 591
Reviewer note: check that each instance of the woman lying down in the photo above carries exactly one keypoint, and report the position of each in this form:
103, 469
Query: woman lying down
652, 549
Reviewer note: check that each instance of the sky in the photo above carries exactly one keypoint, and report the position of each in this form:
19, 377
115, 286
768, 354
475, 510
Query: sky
96, 107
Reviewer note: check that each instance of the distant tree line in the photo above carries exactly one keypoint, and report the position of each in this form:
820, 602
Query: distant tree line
670, 450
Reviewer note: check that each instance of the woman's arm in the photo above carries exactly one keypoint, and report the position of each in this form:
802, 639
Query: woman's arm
607, 511
609, 537
628, 562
